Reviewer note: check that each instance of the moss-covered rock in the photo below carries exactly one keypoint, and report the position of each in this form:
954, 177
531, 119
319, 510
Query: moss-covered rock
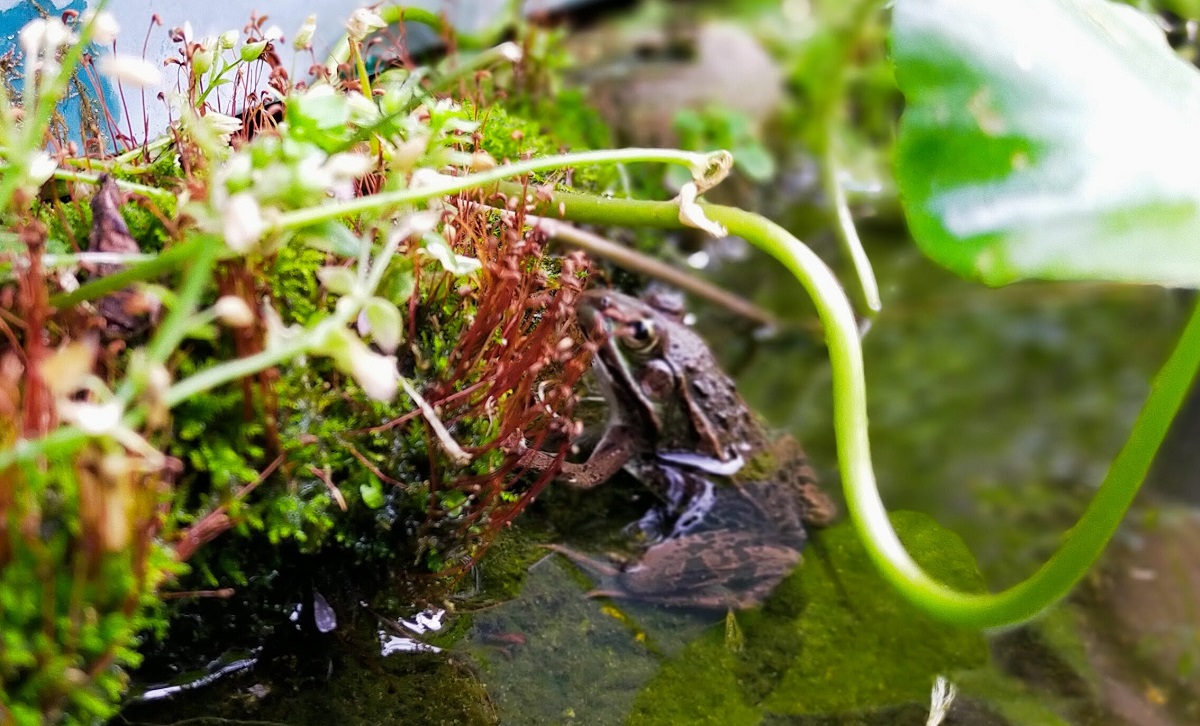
834, 639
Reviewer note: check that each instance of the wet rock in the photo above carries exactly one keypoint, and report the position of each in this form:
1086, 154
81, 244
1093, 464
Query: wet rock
1143, 611
640, 81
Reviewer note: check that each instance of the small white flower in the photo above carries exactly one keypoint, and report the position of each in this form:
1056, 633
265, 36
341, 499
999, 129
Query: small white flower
362, 22
374, 372
222, 125
273, 33
104, 26
304, 36
233, 311
243, 223
426, 177
158, 380
228, 39
130, 69
311, 172
93, 418
31, 37
41, 167
510, 52
43, 37
348, 166
363, 111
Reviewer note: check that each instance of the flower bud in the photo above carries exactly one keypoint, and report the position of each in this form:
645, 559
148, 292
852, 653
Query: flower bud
374, 372
233, 311
202, 60
41, 167
251, 51
304, 36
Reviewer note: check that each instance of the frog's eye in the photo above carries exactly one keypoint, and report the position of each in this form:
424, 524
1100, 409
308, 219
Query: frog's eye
642, 335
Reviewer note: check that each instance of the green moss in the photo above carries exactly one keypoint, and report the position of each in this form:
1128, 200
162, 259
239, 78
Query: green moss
509, 558
70, 221
72, 600
542, 128
834, 639
293, 279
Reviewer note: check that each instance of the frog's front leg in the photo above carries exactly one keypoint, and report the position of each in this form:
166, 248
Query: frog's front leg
613, 451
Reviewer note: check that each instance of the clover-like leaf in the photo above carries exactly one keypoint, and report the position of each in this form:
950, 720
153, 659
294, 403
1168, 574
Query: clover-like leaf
1048, 139
438, 248
385, 323
338, 280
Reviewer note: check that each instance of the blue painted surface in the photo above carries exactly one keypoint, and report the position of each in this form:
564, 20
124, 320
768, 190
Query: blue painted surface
14, 18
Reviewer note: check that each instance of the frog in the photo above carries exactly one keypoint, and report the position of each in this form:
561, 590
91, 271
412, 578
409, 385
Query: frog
735, 503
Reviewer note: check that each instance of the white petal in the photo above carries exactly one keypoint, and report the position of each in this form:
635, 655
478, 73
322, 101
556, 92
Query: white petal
243, 223
374, 372
135, 71
41, 167
348, 166
93, 418
222, 124
104, 27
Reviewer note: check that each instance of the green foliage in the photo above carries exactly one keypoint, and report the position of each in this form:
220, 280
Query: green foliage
536, 127
76, 592
1014, 164
719, 128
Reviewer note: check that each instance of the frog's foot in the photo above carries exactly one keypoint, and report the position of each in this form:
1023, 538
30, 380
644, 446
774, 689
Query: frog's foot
600, 570
819, 509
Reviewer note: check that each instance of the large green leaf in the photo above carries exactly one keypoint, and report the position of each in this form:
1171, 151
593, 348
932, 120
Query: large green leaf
1056, 139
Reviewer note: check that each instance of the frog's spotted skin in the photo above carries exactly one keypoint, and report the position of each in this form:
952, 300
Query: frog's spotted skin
727, 528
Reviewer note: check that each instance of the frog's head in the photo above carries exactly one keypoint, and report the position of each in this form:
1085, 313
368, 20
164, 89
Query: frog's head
660, 375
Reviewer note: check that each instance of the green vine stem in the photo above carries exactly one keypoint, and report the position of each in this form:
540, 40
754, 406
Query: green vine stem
829, 110
701, 164
1082, 545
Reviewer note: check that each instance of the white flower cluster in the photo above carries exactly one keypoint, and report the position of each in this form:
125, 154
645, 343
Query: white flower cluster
245, 196
41, 39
